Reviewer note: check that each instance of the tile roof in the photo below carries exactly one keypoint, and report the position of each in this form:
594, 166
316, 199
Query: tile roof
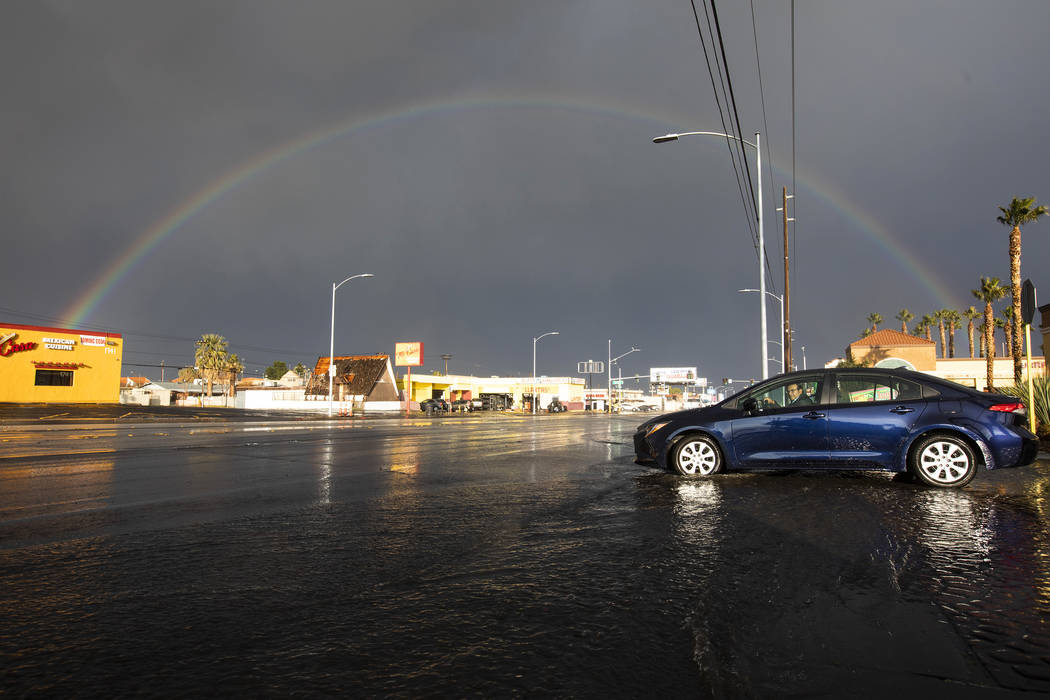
888, 336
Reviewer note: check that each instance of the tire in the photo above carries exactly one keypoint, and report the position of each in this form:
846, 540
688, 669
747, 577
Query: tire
943, 461
696, 457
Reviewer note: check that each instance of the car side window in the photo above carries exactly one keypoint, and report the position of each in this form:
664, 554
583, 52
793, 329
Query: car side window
799, 391
873, 388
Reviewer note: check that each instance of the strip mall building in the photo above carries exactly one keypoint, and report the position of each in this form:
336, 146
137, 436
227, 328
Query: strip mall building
58, 365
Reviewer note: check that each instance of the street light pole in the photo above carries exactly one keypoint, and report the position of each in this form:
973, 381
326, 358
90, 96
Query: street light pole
534, 367
757, 145
609, 368
331, 340
783, 367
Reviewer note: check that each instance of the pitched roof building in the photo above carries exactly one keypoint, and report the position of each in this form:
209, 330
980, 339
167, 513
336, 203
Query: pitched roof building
890, 348
365, 377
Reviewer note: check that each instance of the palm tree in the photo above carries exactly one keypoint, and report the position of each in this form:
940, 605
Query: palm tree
874, 319
927, 325
905, 317
990, 291
234, 366
1000, 323
921, 327
952, 318
865, 333
1019, 213
939, 315
1008, 327
970, 314
210, 356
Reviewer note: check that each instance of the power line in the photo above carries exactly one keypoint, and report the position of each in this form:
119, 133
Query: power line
721, 115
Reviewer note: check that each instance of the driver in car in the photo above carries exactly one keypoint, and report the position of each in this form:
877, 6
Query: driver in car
797, 397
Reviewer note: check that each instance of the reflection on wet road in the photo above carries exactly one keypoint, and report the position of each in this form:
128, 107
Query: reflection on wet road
496, 557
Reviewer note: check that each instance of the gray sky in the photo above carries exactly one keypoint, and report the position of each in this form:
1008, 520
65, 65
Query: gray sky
214, 167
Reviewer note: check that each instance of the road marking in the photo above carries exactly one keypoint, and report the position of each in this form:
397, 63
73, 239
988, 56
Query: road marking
54, 416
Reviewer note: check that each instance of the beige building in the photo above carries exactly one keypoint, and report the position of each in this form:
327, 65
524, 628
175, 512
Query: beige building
568, 390
892, 348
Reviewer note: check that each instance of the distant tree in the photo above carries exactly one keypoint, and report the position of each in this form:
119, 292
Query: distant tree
1020, 212
234, 366
990, 291
188, 374
970, 314
905, 317
953, 319
1000, 323
939, 315
874, 319
211, 357
865, 333
921, 326
301, 370
927, 324
277, 370
1008, 327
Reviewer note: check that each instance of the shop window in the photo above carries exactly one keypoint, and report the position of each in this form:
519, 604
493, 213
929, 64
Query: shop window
54, 377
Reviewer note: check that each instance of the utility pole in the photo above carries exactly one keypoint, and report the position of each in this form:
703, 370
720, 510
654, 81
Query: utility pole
787, 286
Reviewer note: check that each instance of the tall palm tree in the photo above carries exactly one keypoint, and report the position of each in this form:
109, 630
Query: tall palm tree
1008, 327
905, 317
210, 356
939, 315
1020, 212
874, 319
970, 314
952, 318
990, 291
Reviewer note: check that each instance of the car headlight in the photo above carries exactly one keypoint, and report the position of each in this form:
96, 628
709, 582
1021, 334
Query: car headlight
654, 427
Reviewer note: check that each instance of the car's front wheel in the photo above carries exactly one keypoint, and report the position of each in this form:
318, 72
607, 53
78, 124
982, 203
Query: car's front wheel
696, 456
943, 461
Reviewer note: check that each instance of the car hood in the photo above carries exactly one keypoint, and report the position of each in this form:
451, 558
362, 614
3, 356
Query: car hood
688, 415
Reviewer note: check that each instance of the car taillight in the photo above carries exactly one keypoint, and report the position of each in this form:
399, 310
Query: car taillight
1008, 407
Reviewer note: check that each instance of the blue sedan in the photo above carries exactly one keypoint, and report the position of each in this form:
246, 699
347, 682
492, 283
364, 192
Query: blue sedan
893, 420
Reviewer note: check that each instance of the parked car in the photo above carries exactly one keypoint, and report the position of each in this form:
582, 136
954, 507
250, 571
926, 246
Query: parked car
893, 420
431, 406
463, 405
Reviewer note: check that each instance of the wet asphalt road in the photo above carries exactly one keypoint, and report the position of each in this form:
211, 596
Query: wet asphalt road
494, 557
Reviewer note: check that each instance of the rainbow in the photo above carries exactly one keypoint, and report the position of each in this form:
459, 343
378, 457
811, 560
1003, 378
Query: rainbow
89, 299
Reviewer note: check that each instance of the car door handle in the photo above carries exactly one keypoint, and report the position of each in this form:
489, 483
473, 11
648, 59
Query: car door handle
813, 415
901, 409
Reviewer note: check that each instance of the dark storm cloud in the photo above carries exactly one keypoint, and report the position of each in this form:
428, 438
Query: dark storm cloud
533, 199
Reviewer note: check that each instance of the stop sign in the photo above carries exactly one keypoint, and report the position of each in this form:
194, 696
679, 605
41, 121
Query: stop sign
1027, 301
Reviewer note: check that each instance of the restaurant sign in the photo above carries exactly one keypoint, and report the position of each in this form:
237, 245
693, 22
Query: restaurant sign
408, 354
8, 346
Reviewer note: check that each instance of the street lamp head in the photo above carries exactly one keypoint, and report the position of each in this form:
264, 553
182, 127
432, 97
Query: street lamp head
666, 138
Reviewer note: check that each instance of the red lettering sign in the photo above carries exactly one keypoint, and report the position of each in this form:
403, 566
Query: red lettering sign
8, 346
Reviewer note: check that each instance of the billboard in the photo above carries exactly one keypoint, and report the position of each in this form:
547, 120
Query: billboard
408, 354
672, 375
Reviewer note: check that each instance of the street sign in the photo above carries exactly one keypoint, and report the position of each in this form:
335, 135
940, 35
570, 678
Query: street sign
590, 367
1027, 301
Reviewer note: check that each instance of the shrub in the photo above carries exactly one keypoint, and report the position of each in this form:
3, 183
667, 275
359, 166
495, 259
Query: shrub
1040, 400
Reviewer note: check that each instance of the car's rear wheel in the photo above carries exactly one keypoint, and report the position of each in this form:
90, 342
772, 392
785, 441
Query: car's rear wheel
943, 461
696, 456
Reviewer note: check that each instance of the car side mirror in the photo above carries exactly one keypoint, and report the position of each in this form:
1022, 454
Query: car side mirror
749, 405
